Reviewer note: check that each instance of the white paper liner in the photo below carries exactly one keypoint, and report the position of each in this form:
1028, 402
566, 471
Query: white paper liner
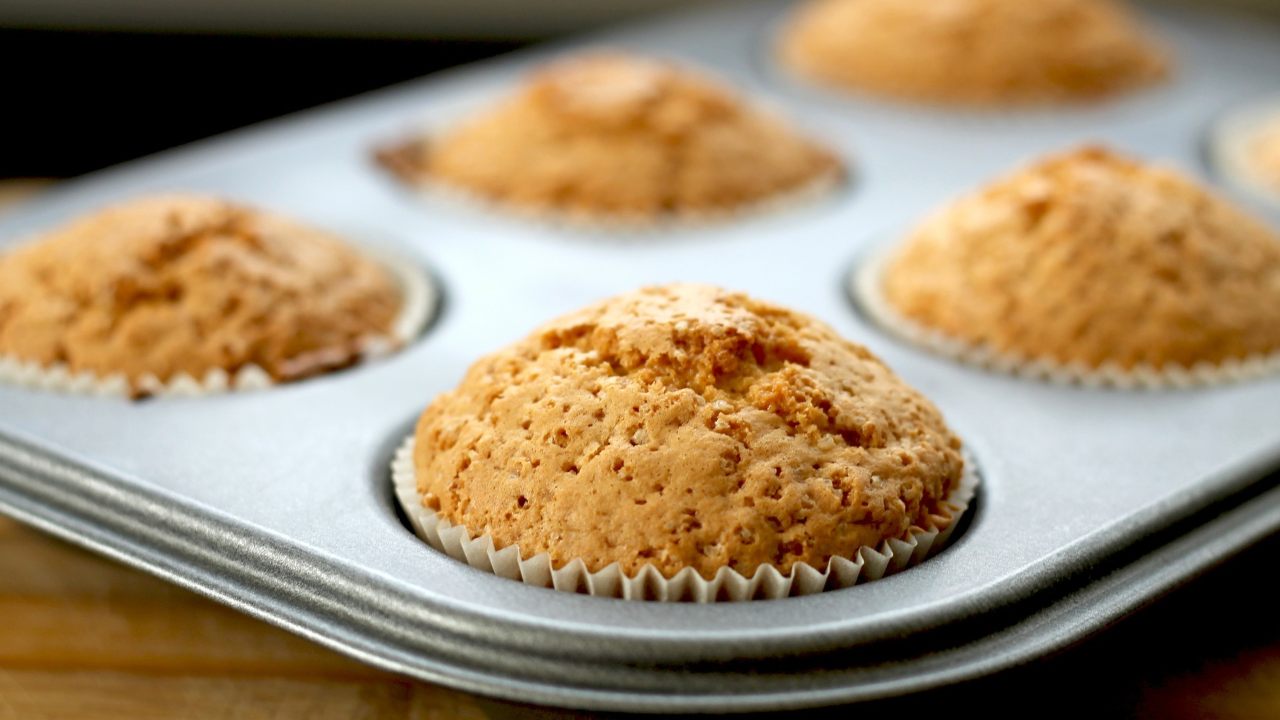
865, 287
448, 195
418, 294
806, 194
1011, 112
1230, 139
767, 583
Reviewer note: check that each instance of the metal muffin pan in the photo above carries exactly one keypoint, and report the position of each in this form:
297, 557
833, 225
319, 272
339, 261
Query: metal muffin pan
279, 502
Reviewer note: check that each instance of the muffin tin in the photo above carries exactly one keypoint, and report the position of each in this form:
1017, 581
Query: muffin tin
279, 502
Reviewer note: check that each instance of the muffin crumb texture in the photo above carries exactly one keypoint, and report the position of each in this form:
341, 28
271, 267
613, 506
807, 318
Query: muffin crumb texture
1089, 257
973, 52
686, 426
616, 136
170, 285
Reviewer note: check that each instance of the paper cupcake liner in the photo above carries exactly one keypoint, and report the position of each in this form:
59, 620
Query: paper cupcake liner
865, 287
1229, 149
976, 113
866, 564
418, 300
437, 192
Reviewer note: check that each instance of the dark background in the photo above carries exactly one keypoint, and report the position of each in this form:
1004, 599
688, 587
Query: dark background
75, 102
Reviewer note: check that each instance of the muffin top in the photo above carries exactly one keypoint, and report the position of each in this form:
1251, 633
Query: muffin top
1264, 154
1089, 257
973, 52
165, 285
686, 426
612, 135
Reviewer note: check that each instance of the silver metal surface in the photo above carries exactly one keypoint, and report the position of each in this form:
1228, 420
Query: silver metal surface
279, 502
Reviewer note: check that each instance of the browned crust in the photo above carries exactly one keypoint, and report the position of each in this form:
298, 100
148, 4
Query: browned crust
686, 426
1090, 258
165, 286
613, 136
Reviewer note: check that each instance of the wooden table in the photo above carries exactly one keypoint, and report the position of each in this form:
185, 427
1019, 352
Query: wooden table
86, 637
81, 636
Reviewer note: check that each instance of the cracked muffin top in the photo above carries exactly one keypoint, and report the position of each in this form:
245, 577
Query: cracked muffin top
686, 426
1090, 257
612, 135
165, 285
972, 52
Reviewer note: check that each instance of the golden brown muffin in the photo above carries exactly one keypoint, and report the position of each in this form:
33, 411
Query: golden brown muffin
1089, 257
972, 52
686, 426
167, 285
619, 137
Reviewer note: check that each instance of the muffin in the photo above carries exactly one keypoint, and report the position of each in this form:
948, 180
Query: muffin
972, 52
686, 429
1266, 154
619, 138
1246, 147
169, 287
1090, 259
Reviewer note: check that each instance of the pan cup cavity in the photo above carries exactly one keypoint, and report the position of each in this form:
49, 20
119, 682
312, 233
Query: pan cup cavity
767, 583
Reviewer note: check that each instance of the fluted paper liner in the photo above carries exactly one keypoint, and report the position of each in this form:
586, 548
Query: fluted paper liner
864, 285
448, 194
418, 295
649, 583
